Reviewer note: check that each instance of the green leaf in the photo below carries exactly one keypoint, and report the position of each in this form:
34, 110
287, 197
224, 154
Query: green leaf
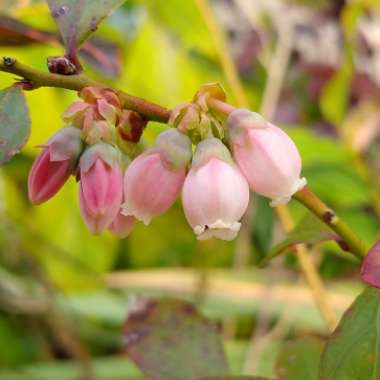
351, 14
77, 19
14, 122
309, 230
196, 37
110, 368
338, 185
353, 351
334, 97
169, 339
329, 150
299, 359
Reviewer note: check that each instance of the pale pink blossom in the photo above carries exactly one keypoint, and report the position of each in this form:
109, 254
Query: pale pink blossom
100, 191
54, 165
266, 155
154, 179
215, 194
122, 225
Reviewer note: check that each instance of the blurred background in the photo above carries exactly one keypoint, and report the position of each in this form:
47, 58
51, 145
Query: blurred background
312, 67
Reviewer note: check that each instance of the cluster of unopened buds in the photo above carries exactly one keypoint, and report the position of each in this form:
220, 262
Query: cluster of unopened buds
230, 157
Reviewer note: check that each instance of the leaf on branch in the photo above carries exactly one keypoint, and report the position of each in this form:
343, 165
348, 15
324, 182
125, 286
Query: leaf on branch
103, 55
334, 97
299, 359
352, 352
14, 122
310, 230
77, 19
169, 339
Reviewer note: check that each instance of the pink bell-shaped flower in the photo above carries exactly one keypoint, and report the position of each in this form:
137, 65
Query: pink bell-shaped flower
54, 165
266, 155
215, 194
122, 225
101, 183
153, 180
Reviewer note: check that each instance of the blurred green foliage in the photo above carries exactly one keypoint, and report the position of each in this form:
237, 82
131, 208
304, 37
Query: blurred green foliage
49, 257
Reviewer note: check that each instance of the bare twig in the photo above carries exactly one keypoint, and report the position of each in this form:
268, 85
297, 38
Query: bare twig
329, 217
33, 79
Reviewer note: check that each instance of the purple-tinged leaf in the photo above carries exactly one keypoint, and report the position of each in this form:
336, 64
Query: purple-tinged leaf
77, 19
104, 56
370, 271
310, 230
17, 33
169, 339
14, 122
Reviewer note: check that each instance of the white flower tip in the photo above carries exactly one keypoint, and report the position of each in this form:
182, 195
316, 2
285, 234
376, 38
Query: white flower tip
219, 229
127, 210
283, 200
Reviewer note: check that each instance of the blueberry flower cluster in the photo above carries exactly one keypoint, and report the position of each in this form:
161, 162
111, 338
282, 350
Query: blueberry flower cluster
212, 164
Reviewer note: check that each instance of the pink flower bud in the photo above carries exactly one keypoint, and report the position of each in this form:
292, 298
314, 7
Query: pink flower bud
100, 191
75, 113
96, 116
154, 179
266, 155
215, 194
122, 225
54, 165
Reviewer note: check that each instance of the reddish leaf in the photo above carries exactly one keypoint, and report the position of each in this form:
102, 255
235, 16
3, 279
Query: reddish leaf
104, 56
370, 271
13, 32
169, 340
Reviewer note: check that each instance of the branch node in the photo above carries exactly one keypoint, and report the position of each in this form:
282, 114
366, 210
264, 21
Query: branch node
61, 65
9, 61
329, 217
25, 85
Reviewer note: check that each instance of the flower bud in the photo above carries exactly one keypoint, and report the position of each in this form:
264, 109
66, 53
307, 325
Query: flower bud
215, 194
131, 126
122, 225
154, 179
266, 155
96, 115
100, 191
54, 165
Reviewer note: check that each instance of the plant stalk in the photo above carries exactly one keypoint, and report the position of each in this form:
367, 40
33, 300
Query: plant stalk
329, 217
33, 79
